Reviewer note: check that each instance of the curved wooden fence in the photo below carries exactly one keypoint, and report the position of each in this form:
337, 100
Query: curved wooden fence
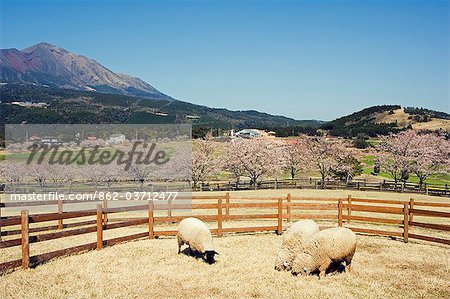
316, 183
391, 218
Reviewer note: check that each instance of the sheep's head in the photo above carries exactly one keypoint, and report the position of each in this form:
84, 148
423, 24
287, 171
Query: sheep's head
302, 264
208, 256
281, 264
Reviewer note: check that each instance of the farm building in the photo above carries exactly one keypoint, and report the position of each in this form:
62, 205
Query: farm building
117, 138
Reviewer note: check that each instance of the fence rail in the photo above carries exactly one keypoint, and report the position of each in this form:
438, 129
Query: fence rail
393, 218
315, 183
298, 183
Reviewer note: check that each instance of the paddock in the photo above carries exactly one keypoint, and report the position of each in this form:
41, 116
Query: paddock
384, 266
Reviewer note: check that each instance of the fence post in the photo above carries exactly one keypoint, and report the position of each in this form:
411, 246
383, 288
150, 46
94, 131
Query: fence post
426, 189
288, 208
280, 217
169, 207
227, 205
411, 206
105, 213
25, 239
99, 227
405, 222
1, 203
151, 220
219, 217
340, 212
60, 211
349, 208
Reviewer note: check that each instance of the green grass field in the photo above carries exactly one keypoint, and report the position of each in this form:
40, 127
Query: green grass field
369, 162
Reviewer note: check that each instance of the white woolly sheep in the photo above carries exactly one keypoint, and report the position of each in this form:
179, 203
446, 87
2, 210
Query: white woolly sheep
333, 245
294, 240
196, 234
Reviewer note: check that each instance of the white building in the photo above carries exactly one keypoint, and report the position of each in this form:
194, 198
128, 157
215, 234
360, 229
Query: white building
249, 133
50, 141
117, 138
254, 133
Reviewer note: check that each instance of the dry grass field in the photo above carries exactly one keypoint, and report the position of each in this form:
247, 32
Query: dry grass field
382, 267
402, 119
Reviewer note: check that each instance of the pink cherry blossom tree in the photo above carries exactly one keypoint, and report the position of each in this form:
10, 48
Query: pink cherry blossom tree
13, 173
430, 154
411, 152
254, 158
231, 162
141, 173
395, 151
296, 158
325, 155
205, 160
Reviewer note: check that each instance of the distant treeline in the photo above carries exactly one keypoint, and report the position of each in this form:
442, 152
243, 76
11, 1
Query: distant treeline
424, 115
363, 122
293, 131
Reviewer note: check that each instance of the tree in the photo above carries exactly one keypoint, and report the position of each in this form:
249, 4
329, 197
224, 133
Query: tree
231, 162
409, 151
394, 154
205, 161
430, 154
347, 168
361, 142
12, 173
141, 173
255, 158
94, 173
295, 157
325, 155
40, 173
70, 173
111, 173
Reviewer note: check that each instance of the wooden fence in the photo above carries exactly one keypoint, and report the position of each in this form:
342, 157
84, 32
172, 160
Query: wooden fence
299, 183
355, 213
315, 183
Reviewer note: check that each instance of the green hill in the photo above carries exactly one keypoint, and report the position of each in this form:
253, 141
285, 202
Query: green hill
73, 106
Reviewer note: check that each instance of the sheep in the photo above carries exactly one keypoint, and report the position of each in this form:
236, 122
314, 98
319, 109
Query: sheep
333, 245
294, 240
196, 234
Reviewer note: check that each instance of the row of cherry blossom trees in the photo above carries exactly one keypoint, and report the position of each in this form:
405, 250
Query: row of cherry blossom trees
410, 152
399, 156
262, 158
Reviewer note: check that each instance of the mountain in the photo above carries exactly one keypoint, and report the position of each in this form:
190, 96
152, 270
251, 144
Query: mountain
384, 119
74, 106
50, 65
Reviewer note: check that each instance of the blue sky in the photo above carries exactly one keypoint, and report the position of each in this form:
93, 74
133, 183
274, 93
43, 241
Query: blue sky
306, 60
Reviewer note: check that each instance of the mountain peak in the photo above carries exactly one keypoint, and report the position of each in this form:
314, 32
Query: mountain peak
51, 65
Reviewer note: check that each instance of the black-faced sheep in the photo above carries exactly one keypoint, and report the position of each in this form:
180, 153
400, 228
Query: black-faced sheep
196, 234
333, 245
294, 240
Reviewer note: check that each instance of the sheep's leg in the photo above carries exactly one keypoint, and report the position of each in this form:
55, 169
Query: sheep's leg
348, 262
323, 267
180, 242
348, 267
